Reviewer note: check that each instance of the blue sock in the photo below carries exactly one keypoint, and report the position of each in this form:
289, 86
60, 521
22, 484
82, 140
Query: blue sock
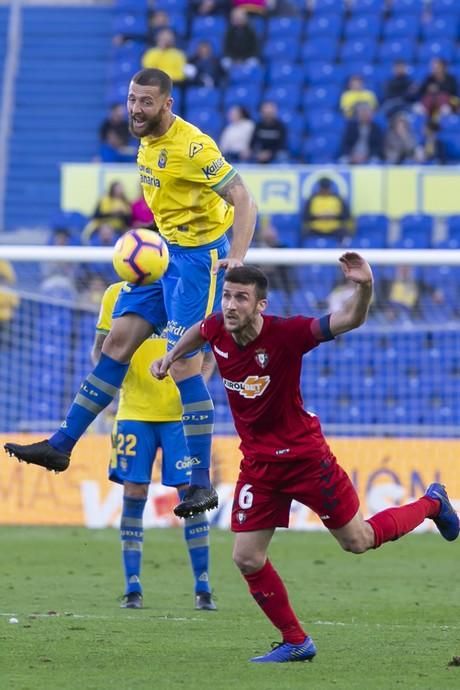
132, 539
96, 392
196, 533
198, 420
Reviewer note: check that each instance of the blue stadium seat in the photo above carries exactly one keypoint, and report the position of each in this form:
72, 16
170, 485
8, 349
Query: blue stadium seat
178, 23
245, 95
406, 7
452, 240
324, 122
366, 6
371, 231
318, 242
439, 28
281, 48
321, 73
287, 93
358, 49
130, 23
285, 73
208, 25
329, 6
329, 26
251, 73
449, 7
209, 120
396, 49
216, 40
401, 26
322, 97
365, 70
442, 48
319, 49
284, 27
288, 226
171, 5
197, 95
366, 26
451, 146
415, 231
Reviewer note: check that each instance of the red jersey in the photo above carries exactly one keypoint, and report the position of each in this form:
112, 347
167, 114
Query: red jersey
262, 381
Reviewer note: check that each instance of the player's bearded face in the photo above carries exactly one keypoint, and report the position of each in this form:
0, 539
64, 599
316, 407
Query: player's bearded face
240, 307
147, 108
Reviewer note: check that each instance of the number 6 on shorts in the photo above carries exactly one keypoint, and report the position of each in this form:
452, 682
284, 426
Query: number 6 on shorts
245, 498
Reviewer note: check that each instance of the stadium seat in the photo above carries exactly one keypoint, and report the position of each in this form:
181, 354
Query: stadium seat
130, 23
208, 25
288, 227
415, 231
243, 74
400, 27
439, 28
284, 27
366, 7
358, 49
215, 40
195, 95
281, 48
322, 73
412, 7
449, 7
322, 97
396, 49
322, 122
285, 73
329, 26
366, 26
209, 120
245, 95
171, 5
441, 48
329, 6
287, 93
321, 148
319, 49
371, 230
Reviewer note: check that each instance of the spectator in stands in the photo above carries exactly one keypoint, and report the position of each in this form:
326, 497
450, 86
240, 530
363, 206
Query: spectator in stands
252, 6
115, 138
438, 93
157, 20
354, 95
113, 208
141, 215
326, 213
363, 139
430, 150
166, 56
280, 277
205, 7
268, 143
240, 44
399, 90
9, 299
340, 294
400, 143
204, 67
95, 287
235, 140
402, 295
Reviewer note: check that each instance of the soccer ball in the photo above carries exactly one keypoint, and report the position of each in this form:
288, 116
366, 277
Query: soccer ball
140, 256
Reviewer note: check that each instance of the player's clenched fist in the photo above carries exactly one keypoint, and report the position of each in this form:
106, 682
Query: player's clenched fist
159, 368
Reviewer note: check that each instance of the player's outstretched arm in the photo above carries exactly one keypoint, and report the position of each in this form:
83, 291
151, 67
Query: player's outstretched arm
354, 311
237, 195
190, 341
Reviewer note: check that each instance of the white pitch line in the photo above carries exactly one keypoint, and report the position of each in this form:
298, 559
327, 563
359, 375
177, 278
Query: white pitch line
181, 619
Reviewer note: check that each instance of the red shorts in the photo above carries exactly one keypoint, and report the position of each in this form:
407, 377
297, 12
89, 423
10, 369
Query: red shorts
264, 492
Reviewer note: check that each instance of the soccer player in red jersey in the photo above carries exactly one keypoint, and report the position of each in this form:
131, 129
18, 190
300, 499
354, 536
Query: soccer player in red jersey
285, 455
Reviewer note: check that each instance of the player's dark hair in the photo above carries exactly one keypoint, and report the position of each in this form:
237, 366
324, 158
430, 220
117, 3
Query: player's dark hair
154, 77
249, 275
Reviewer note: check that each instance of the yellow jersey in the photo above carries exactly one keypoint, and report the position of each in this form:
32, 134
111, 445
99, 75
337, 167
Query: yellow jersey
181, 173
170, 60
142, 397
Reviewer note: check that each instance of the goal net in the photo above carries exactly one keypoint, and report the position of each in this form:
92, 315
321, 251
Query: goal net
388, 394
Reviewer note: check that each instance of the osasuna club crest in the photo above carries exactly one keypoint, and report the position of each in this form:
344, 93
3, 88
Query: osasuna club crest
162, 158
261, 358
241, 517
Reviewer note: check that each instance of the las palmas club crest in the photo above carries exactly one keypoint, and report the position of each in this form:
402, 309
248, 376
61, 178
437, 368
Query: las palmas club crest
261, 358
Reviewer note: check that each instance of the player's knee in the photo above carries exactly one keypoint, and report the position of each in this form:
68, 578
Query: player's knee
355, 545
137, 491
248, 562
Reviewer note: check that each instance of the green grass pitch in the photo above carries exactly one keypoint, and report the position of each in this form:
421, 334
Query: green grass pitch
383, 621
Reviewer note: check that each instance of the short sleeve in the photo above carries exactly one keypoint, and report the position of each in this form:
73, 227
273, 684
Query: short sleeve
104, 321
206, 164
305, 333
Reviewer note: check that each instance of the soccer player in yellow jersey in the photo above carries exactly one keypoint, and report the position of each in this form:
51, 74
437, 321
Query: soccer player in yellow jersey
149, 417
196, 197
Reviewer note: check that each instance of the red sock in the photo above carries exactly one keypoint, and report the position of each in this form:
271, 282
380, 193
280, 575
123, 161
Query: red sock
268, 590
393, 523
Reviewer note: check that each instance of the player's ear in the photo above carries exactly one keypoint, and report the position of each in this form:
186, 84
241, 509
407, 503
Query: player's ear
261, 306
